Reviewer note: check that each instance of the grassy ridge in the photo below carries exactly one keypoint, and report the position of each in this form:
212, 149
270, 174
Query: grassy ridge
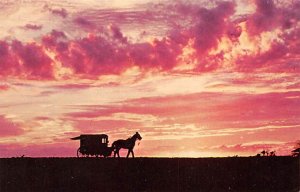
150, 174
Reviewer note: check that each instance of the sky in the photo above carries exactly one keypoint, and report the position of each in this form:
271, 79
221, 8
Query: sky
195, 78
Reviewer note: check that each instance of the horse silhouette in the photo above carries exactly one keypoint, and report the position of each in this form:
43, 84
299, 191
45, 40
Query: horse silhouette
126, 144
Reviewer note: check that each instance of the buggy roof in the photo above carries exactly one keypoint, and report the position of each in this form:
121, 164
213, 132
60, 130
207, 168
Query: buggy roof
90, 136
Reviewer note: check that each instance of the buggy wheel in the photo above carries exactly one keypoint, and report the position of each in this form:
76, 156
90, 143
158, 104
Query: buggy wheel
79, 154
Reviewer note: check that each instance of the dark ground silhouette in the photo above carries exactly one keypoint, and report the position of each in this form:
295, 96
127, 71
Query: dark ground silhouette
150, 174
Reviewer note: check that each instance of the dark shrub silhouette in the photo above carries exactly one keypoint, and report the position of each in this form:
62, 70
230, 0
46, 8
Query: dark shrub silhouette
296, 151
263, 152
273, 153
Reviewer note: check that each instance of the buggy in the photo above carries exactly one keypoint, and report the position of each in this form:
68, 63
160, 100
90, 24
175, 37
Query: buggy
93, 145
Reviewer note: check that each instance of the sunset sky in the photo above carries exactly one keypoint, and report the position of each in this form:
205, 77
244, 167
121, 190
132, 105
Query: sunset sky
195, 78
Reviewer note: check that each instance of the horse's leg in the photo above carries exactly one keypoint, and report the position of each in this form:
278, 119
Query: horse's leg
116, 152
128, 153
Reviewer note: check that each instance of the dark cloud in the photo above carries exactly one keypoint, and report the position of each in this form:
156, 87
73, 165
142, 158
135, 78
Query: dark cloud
54, 41
84, 23
33, 26
74, 86
57, 11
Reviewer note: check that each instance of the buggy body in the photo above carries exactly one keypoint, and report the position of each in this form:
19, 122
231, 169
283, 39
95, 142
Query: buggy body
93, 145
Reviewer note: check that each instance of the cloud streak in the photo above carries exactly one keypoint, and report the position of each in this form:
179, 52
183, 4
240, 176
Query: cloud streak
214, 112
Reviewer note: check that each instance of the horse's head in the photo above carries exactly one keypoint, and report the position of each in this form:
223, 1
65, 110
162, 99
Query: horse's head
137, 136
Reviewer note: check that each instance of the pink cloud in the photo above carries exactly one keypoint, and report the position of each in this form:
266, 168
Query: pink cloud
269, 15
56, 40
161, 55
4, 87
34, 61
9, 63
282, 54
25, 61
94, 55
281, 57
211, 25
88, 56
9, 128
265, 18
106, 51
52, 37
117, 34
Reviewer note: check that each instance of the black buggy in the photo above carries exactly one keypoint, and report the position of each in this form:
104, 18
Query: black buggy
93, 145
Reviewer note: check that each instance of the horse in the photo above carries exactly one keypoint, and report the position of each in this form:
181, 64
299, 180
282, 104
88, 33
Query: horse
126, 144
